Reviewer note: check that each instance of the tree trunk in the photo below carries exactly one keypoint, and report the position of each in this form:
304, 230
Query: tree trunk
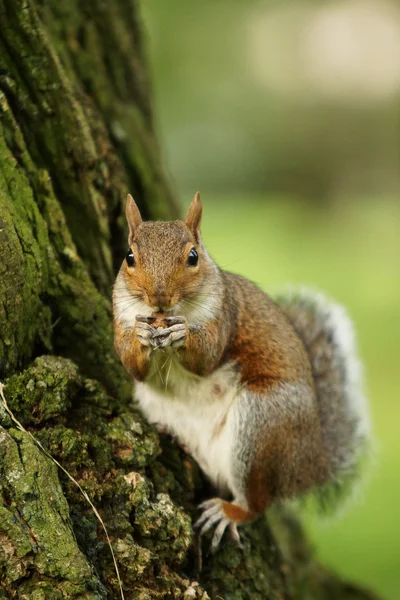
76, 133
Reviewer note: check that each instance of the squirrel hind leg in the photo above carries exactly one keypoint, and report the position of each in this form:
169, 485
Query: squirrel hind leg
222, 515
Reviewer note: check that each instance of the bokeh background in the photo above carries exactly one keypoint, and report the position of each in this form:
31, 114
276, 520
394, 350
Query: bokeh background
286, 116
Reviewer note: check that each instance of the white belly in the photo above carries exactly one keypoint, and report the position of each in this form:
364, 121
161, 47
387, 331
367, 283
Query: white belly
199, 411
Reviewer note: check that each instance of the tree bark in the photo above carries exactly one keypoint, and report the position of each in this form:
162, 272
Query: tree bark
76, 134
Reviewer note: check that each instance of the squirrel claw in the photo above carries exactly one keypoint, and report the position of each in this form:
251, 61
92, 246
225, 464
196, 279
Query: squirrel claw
235, 535
175, 320
172, 336
160, 337
214, 515
145, 319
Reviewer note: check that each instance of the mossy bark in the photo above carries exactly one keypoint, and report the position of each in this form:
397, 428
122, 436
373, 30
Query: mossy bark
76, 133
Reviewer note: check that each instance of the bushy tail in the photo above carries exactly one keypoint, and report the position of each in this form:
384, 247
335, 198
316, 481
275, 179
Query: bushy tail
328, 336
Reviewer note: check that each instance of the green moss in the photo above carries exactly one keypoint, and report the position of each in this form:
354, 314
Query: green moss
163, 527
110, 451
64, 442
23, 270
47, 299
109, 454
39, 516
16, 545
44, 391
134, 442
137, 562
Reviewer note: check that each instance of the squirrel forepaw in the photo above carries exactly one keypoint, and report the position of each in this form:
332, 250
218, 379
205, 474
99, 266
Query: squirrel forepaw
216, 515
174, 335
144, 333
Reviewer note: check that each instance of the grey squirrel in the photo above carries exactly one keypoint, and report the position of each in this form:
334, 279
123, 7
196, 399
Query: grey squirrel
265, 395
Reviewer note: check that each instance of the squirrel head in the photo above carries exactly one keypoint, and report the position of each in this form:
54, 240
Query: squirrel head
166, 261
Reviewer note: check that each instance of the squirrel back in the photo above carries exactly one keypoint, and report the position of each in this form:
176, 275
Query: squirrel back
328, 336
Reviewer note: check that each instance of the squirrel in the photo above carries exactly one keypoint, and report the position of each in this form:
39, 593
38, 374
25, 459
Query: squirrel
264, 394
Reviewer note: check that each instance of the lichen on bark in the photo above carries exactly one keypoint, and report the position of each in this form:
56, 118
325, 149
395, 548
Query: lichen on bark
76, 133
107, 447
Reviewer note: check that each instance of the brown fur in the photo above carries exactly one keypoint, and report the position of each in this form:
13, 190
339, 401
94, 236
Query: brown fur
203, 351
193, 217
289, 459
250, 331
265, 344
134, 356
158, 279
236, 513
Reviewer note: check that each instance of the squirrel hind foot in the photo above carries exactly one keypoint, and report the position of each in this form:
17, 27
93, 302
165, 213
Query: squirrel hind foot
222, 515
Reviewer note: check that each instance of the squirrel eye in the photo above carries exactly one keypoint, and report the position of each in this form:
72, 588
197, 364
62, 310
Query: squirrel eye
130, 259
193, 258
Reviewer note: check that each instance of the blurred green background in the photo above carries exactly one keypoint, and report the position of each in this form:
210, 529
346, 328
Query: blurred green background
286, 116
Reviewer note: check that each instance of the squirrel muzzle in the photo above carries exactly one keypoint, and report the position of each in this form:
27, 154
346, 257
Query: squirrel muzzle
161, 302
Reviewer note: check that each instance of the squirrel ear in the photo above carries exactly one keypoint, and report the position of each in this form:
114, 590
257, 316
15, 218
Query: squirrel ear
193, 217
132, 216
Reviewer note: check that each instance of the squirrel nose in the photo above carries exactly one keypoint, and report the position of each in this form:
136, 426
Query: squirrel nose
161, 300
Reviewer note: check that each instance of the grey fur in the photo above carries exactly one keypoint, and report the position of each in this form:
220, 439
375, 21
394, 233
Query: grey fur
288, 403
342, 428
328, 336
